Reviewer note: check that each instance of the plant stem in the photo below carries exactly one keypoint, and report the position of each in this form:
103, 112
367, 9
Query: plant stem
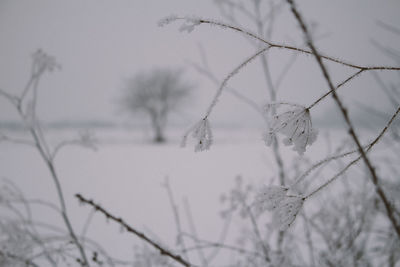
374, 177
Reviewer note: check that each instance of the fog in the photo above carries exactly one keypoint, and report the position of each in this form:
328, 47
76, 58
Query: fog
101, 43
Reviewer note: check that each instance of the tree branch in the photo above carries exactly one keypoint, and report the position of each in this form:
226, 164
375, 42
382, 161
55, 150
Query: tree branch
121, 222
374, 176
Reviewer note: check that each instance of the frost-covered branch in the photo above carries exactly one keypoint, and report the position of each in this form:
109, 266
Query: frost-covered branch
368, 148
163, 251
85, 139
179, 241
199, 21
374, 177
6, 138
42, 63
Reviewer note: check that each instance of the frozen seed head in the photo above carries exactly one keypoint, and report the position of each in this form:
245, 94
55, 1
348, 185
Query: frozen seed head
295, 124
43, 62
286, 212
189, 23
201, 132
269, 197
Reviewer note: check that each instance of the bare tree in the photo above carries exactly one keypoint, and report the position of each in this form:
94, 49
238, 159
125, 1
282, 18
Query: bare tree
156, 94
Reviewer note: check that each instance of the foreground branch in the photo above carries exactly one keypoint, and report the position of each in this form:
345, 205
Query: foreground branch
374, 176
121, 222
199, 21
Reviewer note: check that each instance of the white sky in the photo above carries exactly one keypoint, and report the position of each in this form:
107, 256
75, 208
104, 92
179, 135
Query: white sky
100, 43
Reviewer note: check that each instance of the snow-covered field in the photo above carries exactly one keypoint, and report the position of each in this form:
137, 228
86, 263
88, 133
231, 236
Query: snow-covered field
126, 174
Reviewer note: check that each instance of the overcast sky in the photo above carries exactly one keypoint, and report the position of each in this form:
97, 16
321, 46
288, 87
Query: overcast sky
101, 43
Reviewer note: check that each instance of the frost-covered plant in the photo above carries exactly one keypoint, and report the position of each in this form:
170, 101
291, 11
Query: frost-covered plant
269, 197
237, 199
43, 62
285, 207
200, 129
286, 211
202, 134
25, 104
16, 246
294, 123
146, 256
189, 23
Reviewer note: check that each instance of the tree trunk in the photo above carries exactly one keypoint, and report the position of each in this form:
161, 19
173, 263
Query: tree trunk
158, 130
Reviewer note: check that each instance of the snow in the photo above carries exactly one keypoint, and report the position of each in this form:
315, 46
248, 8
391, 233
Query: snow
126, 173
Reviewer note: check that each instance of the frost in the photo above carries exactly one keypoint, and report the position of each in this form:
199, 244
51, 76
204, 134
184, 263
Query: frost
269, 138
201, 132
287, 211
295, 124
188, 25
269, 197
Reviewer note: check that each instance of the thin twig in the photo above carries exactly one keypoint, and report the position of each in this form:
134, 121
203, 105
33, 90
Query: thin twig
337, 87
4, 137
288, 47
204, 71
229, 76
193, 230
205, 244
257, 233
175, 211
41, 145
122, 223
374, 176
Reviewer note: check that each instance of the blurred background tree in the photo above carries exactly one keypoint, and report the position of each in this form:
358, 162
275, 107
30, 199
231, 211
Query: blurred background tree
156, 94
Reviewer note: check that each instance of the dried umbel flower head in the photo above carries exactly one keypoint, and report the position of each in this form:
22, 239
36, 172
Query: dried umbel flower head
201, 132
43, 62
188, 25
294, 123
285, 207
269, 197
286, 212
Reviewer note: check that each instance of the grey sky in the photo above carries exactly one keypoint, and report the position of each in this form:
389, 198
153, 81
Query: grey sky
100, 43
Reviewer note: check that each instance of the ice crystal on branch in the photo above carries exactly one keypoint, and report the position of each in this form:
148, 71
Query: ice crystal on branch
188, 25
295, 124
201, 132
286, 212
269, 197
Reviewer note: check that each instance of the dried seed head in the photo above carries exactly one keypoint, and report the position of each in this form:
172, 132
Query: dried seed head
295, 124
201, 132
269, 197
287, 211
